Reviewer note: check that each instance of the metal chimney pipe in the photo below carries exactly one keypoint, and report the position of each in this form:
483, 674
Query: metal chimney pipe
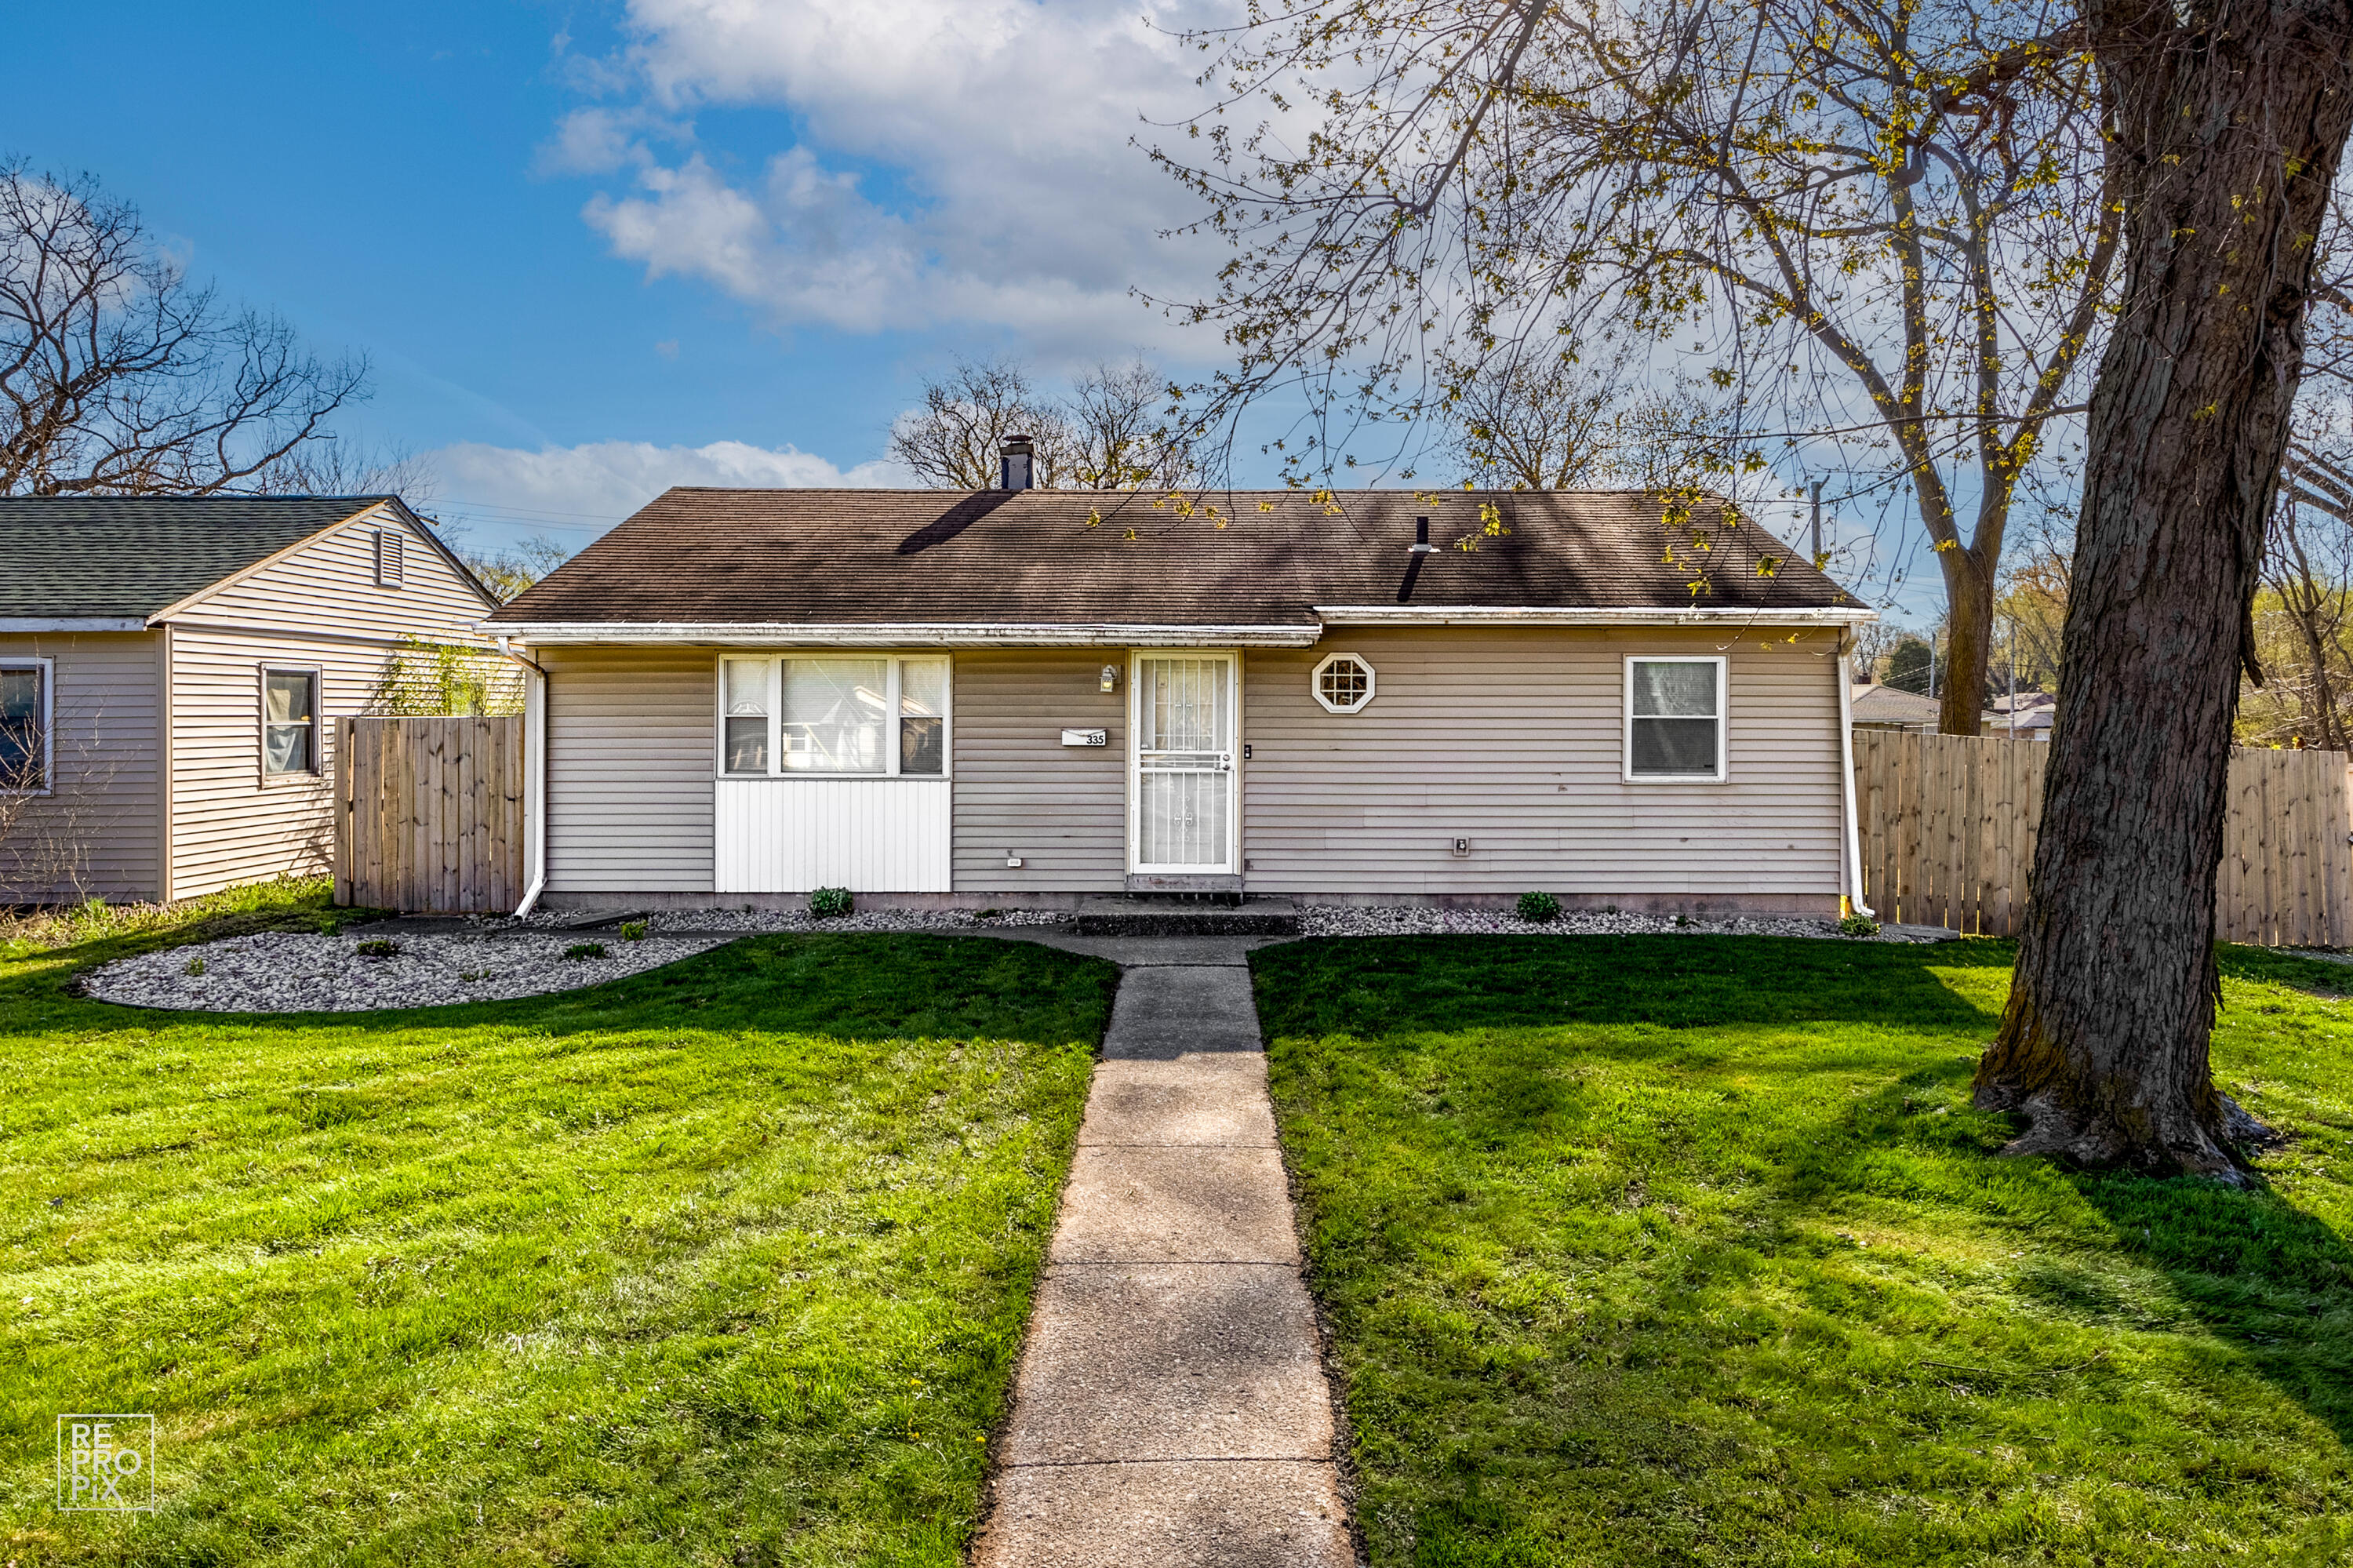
1016, 461
1421, 536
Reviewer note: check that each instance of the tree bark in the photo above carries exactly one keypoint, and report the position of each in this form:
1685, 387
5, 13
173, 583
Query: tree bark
1969, 640
2228, 119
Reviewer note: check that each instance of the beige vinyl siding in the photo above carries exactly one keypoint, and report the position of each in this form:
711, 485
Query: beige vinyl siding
1063, 809
96, 834
1513, 738
230, 825
317, 607
328, 584
631, 743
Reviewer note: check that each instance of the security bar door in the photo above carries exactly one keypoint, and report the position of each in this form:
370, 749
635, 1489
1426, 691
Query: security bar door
1184, 730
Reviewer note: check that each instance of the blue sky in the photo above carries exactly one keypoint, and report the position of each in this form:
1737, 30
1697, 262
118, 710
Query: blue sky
594, 250
476, 195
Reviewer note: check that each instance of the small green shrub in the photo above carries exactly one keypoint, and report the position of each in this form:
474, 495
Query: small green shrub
1539, 907
195, 966
1853, 924
633, 930
377, 947
585, 950
827, 903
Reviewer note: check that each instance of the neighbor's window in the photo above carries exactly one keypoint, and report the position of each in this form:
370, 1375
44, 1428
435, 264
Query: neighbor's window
853, 714
24, 727
389, 563
1674, 718
289, 721
1343, 683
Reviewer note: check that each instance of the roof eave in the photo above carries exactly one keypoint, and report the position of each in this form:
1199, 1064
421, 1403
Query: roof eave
904, 634
1599, 615
73, 623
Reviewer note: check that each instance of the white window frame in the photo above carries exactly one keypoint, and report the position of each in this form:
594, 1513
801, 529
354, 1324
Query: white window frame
1723, 773
391, 558
775, 663
47, 721
1315, 683
318, 768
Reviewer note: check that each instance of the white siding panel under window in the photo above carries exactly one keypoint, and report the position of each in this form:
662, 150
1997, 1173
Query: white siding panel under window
869, 835
1512, 738
631, 743
97, 832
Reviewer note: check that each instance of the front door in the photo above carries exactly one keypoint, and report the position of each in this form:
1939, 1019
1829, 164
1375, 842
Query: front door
1183, 801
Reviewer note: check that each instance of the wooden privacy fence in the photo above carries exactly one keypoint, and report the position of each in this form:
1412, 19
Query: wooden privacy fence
1947, 825
428, 814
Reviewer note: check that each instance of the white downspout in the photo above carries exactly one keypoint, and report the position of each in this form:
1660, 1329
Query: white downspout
1853, 834
535, 773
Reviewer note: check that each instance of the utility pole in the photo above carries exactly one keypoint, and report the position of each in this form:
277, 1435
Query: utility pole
2013, 677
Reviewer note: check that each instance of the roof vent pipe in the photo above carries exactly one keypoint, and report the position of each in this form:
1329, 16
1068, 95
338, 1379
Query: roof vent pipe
1421, 536
1014, 463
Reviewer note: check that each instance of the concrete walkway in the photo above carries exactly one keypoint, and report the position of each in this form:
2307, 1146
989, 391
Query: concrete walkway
1171, 1407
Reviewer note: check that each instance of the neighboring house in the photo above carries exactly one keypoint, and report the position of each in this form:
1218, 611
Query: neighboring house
2026, 717
1025, 698
1881, 707
1877, 706
171, 668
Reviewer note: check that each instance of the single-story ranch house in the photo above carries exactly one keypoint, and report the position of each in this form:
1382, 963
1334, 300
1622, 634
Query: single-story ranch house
1025, 698
171, 668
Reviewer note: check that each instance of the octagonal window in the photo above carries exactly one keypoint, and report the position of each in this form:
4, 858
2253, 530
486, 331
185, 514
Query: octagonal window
1343, 683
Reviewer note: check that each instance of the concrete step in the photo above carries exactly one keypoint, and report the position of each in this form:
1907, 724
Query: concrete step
1155, 917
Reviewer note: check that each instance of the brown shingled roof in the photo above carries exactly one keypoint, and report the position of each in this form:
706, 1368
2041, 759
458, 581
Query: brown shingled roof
1064, 557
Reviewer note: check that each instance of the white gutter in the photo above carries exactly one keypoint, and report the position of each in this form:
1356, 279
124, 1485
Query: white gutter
73, 623
1853, 834
930, 634
1629, 615
534, 774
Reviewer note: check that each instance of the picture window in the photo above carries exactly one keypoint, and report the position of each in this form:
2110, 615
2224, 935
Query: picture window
885, 716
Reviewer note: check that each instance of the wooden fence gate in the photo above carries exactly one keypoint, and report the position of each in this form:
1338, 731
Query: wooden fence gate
429, 814
1947, 825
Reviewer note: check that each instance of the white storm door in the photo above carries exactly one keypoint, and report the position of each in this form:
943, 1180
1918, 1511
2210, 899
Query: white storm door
1183, 812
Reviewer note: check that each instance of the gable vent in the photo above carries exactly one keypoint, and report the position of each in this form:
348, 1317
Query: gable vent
388, 545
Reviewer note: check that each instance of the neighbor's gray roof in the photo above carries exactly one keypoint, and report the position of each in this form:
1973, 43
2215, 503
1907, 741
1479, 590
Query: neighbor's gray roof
124, 555
1063, 556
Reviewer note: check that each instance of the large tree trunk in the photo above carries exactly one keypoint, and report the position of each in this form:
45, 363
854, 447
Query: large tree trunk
1968, 640
2226, 128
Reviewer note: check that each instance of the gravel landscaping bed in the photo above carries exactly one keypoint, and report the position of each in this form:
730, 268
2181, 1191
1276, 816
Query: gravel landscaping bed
493, 960
288, 971
774, 921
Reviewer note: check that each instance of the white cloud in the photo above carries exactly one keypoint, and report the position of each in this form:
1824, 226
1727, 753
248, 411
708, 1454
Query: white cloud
1000, 186
577, 493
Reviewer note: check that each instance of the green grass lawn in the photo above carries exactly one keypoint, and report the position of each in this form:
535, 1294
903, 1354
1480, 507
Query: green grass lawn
726, 1262
1689, 1250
